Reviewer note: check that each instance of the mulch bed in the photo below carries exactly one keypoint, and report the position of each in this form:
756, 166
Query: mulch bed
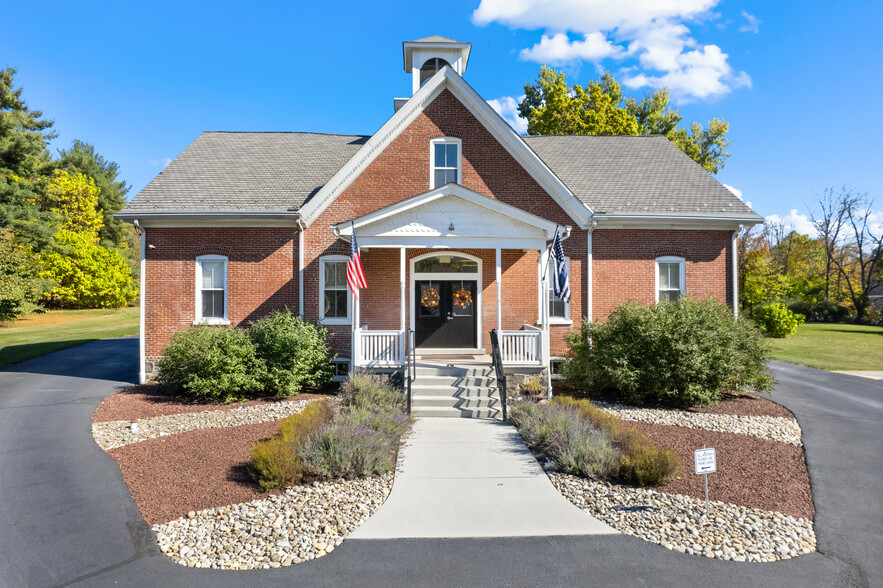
750, 471
150, 400
170, 476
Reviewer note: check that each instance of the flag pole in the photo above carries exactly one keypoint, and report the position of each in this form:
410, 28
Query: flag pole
355, 326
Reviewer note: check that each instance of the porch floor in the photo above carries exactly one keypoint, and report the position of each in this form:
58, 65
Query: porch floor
472, 478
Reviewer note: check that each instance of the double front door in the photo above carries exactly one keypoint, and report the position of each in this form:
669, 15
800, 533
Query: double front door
445, 313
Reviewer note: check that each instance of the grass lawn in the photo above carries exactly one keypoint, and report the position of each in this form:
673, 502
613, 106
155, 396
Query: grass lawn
832, 346
39, 334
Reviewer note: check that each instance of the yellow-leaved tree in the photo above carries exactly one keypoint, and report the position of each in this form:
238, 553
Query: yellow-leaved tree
86, 275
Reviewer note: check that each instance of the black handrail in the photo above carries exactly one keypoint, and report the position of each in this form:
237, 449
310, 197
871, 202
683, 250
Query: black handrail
497, 359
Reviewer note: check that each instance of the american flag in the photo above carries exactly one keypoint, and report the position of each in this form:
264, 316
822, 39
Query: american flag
562, 280
355, 277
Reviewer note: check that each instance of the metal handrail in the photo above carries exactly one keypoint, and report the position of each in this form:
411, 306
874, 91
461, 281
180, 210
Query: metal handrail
410, 363
497, 360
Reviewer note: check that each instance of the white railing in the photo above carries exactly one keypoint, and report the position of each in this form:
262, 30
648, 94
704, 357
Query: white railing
522, 347
380, 348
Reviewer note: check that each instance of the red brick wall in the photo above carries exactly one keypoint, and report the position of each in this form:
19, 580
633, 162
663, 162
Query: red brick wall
261, 276
624, 265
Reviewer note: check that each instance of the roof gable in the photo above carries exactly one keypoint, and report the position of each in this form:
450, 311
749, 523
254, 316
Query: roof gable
447, 79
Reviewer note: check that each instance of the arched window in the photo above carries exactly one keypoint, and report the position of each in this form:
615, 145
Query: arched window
430, 68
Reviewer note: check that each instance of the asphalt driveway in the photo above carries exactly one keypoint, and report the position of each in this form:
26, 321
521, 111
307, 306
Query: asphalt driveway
66, 517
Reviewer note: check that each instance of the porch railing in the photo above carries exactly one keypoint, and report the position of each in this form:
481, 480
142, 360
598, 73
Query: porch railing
380, 348
522, 347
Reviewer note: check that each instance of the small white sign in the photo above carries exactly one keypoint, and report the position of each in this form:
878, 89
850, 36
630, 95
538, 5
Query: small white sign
706, 463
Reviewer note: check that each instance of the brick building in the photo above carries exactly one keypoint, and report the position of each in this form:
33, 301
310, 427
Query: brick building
445, 199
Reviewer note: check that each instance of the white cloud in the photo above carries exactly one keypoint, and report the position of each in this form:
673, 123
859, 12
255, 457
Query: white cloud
700, 74
653, 31
753, 25
162, 162
559, 49
507, 107
794, 221
738, 194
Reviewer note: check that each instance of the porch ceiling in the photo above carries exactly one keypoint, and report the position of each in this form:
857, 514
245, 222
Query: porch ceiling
449, 217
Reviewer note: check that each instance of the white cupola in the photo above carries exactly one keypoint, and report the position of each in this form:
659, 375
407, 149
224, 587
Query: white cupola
424, 57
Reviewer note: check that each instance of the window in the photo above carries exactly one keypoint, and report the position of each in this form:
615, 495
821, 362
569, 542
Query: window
669, 278
340, 369
445, 162
430, 68
334, 304
211, 289
559, 310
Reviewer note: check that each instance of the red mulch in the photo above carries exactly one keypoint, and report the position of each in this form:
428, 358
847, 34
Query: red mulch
149, 400
746, 404
752, 472
170, 476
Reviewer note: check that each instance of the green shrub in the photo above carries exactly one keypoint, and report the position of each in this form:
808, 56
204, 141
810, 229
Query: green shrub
218, 363
681, 354
346, 450
572, 443
295, 352
819, 312
778, 321
371, 391
276, 463
642, 463
392, 423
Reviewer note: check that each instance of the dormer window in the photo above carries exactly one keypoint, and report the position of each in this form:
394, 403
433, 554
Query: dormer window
445, 159
430, 68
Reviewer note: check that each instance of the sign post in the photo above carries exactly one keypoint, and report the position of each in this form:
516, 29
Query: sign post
706, 463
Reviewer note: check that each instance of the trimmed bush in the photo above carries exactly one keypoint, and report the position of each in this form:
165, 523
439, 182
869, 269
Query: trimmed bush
680, 354
295, 352
572, 443
346, 450
276, 463
642, 463
778, 321
217, 363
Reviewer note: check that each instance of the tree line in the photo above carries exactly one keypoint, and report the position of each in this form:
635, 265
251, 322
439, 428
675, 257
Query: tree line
826, 278
59, 243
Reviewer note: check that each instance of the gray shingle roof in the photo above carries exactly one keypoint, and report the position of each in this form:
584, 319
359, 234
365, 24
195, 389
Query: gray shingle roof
247, 172
434, 39
638, 175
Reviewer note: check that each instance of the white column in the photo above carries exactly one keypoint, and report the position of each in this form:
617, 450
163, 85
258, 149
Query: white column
499, 293
546, 341
300, 270
402, 302
735, 276
142, 349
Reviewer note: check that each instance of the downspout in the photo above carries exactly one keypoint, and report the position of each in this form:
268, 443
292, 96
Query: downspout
142, 355
735, 255
301, 226
591, 228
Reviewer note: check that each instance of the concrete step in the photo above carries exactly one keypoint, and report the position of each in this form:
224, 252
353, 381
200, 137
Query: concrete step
450, 412
482, 371
457, 381
477, 391
471, 402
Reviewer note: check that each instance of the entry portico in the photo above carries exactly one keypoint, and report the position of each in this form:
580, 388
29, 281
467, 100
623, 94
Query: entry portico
444, 237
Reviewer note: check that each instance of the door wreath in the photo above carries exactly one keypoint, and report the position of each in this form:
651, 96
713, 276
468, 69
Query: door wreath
462, 297
429, 298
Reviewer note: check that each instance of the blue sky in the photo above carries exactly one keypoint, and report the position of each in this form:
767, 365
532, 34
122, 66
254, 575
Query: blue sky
797, 81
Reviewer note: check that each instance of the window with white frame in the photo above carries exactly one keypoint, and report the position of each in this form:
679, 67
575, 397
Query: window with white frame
559, 310
340, 367
211, 289
670, 278
445, 160
334, 303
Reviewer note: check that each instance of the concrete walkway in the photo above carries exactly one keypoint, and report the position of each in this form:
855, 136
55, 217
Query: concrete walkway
472, 478
870, 374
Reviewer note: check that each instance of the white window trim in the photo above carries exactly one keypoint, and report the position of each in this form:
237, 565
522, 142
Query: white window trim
554, 320
349, 295
682, 271
338, 360
198, 294
432, 168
